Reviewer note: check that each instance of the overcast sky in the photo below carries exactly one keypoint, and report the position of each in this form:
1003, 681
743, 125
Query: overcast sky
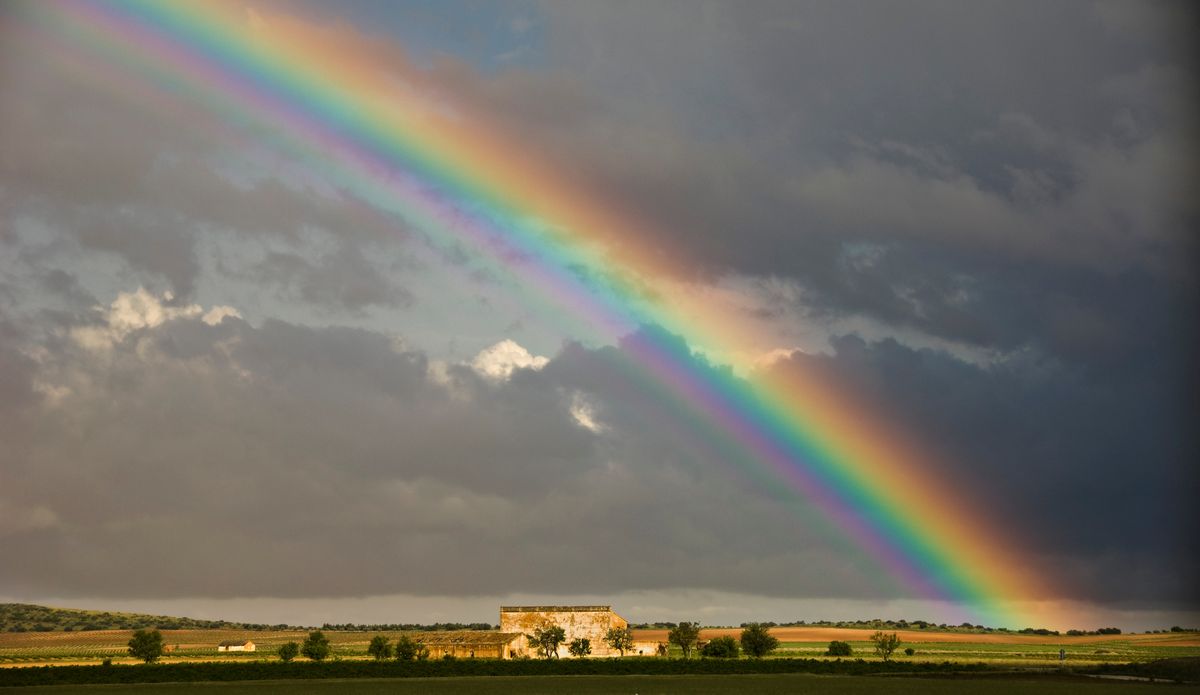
226, 390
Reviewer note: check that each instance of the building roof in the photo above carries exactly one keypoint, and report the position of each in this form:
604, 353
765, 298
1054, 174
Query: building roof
483, 638
555, 609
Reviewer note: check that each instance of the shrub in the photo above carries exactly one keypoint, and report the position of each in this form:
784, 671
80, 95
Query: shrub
406, 649
379, 648
580, 647
838, 648
909, 651
288, 651
316, 646
723, 647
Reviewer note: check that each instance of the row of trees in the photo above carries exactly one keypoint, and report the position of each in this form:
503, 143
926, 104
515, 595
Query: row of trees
756, 641
546, 639
885, 645
148, 646
316, 647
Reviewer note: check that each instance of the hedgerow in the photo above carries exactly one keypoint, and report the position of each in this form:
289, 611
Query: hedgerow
274, 670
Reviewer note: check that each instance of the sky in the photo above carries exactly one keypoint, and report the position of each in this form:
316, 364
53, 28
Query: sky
242, 379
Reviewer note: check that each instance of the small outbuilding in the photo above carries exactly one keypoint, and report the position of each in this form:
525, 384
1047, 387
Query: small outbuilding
470, 644
236, 646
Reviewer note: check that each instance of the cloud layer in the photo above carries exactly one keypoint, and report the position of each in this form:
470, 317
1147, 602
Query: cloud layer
221, 375
284, 460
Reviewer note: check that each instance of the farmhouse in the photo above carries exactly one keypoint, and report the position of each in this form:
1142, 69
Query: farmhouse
236, 646
591, 622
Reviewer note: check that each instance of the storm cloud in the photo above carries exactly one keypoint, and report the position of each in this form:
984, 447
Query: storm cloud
224, 374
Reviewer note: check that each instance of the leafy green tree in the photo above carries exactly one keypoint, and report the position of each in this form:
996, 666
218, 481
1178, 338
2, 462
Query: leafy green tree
316, 646
685, 635
885, 644
546, 639
619, 638
288, 651
839, 648
580, 647
146, 645
380, 648
406, 648
757, 640
723, 647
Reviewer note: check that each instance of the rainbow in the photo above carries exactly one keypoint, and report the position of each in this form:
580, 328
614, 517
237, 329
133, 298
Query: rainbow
358, 112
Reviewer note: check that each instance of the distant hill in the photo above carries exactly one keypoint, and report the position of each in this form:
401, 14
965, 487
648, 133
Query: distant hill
24, 617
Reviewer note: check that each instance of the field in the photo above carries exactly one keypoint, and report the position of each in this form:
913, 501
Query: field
780, 684
996, 649
31, 648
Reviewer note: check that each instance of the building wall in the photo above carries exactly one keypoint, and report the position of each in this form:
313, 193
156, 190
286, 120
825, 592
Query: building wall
468, 651
591, 622
647, 648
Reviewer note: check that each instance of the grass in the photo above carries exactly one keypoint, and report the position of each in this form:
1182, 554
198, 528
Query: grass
1114, 651
185, 645
790, 684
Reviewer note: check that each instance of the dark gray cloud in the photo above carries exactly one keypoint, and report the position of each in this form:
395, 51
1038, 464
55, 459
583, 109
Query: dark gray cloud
969, 149
268, 447
228, 456
1085, 466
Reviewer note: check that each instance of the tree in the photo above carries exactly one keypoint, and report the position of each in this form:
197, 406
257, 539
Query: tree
838, 648
885, 644
406, 648
288, 651
380, 648
723, 647
685, 635
546, 639
580, 647
146, 645
757, 641
316, 646
619, 638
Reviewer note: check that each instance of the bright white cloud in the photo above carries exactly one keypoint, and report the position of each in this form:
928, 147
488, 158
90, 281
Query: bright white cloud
498, 361
133, 311
584, 412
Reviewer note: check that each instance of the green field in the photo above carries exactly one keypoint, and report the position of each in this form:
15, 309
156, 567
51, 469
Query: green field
1109, 651
639, 685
